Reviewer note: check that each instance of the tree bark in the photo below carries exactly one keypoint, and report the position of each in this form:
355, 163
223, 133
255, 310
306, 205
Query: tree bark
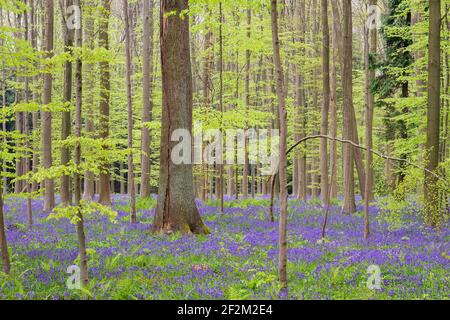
26, 129
3, 241
147, 100
35, 114
128, 74
370, 72
67, 98
349, 205
105, 86
333, 115
89, 178
282, 259
220, 165
247, 105
431, 189
176, 209
49, 192
77, 155
326, 104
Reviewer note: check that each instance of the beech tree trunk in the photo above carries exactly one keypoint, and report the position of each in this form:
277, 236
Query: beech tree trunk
333, 115
349, 205
372, 49
147, 100
66, 122
282, 259
220, 165
49, 192
3, 241
299, 179
26, 128
247, 105
89, 178
105, 86
176, 209
326, 104
431, 189
77, 178
131, 184
35, 114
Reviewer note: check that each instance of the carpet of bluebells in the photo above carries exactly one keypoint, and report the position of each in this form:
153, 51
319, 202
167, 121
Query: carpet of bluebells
238, 260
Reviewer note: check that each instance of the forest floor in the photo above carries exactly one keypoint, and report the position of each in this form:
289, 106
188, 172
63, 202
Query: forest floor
238, 260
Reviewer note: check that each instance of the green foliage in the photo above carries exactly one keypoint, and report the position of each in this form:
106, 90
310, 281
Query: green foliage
87, 209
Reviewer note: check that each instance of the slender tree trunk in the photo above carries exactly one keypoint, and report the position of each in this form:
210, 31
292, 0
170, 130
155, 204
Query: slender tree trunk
220, 165
431, 188
3, 241
247, 105
35, 114
348, 181
89, 178
147, 100
333, 117
358, 156
131, 184
105, 86
26, 130
326, 104
282, 259
298, 179
49, 192
207, 69
66, 122
176, 209
18, 184
4, 88
372, 49
77, 178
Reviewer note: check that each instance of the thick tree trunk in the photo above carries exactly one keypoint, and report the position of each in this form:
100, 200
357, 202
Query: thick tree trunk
282, 259
49, 192
432, 198
147, 100
176, 209
105, 86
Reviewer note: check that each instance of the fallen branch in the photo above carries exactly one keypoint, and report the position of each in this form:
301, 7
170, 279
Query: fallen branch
377, 153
